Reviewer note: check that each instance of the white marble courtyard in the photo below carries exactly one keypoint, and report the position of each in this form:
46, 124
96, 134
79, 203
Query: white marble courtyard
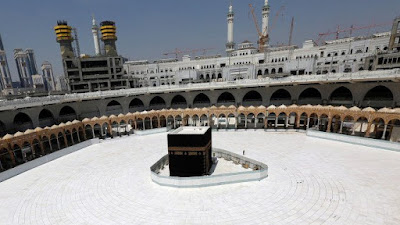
311, 181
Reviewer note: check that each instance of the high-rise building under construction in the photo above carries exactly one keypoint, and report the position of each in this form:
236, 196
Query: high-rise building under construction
85, 73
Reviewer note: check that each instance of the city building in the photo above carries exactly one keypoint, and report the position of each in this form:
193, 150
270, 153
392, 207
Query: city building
39, 83
48, 76
5, 75
24, 67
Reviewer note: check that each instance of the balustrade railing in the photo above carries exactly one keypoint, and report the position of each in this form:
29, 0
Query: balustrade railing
298, 79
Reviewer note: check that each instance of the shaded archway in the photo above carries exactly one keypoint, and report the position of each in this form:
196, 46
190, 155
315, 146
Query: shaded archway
2, 129
18, 156
226, 98
310, 96
281, 97
46, 118
46, 145
179, 102
271, 121
336, 124
157, 103
252, 98
341, 96
201, 100
377, 128
360, 127
22, 122
378, 97
136, 105
89, 132
66, 114
393, 131
54, 143
5, 160
37, 150
113, 108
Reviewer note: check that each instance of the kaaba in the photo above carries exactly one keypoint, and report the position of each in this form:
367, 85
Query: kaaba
189, 150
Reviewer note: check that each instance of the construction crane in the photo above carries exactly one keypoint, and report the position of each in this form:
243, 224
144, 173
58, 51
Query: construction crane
350, 30
264, 37
177, 52
77, 49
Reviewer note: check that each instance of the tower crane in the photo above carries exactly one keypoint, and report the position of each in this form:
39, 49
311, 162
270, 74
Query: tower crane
264, 37
350, 30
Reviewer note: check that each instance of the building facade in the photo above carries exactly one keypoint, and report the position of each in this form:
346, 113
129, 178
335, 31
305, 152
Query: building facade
48, 76
24, 68
5, 75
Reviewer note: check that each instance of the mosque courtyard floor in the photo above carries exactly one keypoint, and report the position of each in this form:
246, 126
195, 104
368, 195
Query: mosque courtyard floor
311, 181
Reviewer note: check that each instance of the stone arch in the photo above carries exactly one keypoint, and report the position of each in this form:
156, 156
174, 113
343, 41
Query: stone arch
113, 108
259, 73
46, 118
178, 102
67, 113
54, 142
89, 132
136, 105
201, 100
46, 145
252, 98
22, 122
341, 96
226, 98
378, 97
281, 97
37, 149
157, 103
310, 96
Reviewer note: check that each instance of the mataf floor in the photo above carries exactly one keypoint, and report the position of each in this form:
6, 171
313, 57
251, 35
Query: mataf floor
311, 181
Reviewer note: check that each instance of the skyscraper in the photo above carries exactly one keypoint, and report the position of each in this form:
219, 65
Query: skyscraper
48, 76
32, 66
24, 72
5, 75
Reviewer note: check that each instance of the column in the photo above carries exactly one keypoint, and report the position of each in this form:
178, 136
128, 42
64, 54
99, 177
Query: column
93, 132
42, 146
58, 144
384, 132
328, 130
159, 123
308, 122
255, 122
65, 140
318, 123
341, 127
72, 138
276, 121
287, 122
174, 123
353, 132
79, 138
368, 132
236, 122
245, 121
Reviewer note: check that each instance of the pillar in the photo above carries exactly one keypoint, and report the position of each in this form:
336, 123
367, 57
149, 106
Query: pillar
287, 122
41, 146
245, 121
341, 127
308, 122
159, 123
328, 129
58, 143
236, 122
79, 138
65, 140
72, 138
93, 132
318, 123
353, 132
255, 122
368, 132
384, 132
276, 121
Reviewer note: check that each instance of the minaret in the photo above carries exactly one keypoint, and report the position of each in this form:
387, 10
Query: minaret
95, 31
230, 45
265, 21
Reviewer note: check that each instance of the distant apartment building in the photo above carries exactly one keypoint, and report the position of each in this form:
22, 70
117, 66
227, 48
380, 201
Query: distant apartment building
48, 76
5, 75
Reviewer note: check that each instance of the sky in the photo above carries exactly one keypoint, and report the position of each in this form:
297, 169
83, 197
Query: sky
148, 28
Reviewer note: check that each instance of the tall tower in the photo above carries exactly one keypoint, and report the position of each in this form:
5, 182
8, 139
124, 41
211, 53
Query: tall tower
230, 45
32, 66
48, 76
95, 31
265, 21
5, 75
64, 37
24, 73
108, 36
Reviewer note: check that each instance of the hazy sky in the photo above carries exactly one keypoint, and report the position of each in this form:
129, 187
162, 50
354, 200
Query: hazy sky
147, 28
